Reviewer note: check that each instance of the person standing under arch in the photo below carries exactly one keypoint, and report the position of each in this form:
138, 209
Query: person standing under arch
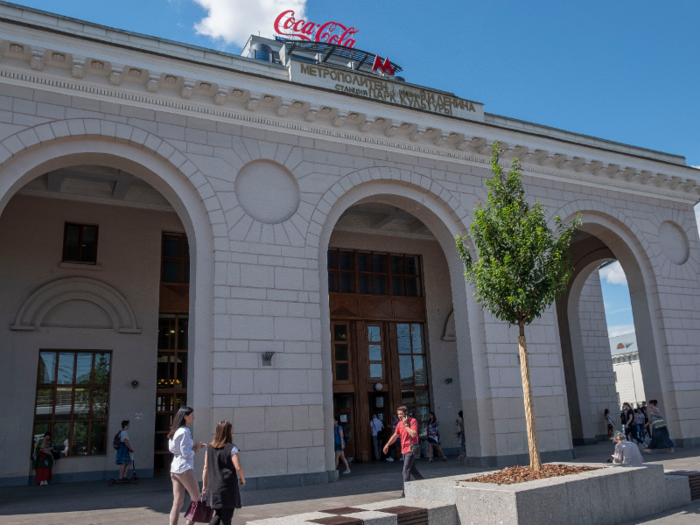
377, 427
609, 423
659, 429
434, 438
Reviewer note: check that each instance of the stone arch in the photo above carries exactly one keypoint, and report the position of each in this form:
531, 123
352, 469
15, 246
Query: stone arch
60, 144
42, 301
449, 333
422, 188
61, 131
621, 238
440, 211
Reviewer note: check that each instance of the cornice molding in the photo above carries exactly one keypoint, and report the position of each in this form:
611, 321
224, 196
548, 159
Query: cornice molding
241, 104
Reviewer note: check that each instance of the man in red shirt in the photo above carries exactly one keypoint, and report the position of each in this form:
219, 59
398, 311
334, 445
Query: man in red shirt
407, 431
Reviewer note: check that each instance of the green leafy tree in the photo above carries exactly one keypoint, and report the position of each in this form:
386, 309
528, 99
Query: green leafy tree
523, 265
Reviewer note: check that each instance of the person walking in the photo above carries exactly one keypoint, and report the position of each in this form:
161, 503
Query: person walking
459, 430
639, 422
377, 426
434, 438
222, 474
392, 448
124, 451
659, 430
626, 452
43, 460
182, 446
339, 440
609, 423
628, 420
407, 432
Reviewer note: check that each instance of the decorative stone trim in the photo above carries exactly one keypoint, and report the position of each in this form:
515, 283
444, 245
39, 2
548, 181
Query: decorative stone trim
624, 178
40, 303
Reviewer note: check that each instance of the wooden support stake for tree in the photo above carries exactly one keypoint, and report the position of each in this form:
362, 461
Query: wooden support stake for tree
535, 461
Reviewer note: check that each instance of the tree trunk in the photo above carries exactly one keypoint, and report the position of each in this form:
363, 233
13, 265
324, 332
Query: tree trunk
535, 461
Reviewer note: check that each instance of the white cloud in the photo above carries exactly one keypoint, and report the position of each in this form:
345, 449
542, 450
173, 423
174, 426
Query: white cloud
233, 21
613, 274
620, 329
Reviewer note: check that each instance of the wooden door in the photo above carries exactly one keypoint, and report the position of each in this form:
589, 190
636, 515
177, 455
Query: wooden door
379, 404
343, 409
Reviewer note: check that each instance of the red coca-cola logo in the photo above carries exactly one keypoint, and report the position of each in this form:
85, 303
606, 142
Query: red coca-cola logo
330, 32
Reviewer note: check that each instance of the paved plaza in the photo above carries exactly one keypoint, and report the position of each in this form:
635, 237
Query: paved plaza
148, 503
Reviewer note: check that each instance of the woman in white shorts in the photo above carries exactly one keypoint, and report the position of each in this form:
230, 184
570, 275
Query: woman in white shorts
182, 468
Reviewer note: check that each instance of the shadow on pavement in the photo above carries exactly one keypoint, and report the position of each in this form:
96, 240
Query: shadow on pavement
149, 502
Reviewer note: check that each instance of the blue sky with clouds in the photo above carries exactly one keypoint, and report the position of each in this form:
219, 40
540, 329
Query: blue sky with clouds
624, 70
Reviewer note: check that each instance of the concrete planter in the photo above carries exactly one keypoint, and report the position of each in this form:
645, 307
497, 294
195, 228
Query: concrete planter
607, 496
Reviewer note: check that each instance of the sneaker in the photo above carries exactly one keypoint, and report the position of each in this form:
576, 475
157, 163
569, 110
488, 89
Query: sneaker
648, 451
390, 459
670, 451
401, 458
347, 471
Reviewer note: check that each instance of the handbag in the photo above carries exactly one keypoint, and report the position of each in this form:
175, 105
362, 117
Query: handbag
415, 447
658, 422
199, 511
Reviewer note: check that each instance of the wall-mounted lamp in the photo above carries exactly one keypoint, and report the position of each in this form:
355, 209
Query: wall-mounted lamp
134, 384
448, 380
267, 358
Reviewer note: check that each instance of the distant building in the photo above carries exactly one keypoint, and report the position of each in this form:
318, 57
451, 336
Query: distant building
628, 373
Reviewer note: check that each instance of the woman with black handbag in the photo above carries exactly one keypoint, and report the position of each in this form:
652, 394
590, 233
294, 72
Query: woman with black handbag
222, 471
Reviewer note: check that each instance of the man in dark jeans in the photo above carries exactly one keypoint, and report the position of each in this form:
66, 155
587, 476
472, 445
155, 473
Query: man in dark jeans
407, 431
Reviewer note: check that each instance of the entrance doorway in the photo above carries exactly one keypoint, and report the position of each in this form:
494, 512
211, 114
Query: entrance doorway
344, 406
377, 309
173, 337
379, 405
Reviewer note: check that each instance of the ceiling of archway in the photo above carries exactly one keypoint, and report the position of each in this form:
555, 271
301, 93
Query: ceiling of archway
99, 184
382, 219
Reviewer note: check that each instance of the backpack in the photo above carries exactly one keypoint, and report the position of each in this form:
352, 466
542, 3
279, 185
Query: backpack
117, 441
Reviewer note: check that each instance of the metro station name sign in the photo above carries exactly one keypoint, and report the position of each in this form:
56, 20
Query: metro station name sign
286, 24
385, 89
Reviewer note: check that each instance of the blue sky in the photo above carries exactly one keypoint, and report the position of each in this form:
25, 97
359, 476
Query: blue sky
623, 70
616, 298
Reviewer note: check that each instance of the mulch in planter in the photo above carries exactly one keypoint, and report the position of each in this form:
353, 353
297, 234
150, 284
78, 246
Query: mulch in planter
519, 474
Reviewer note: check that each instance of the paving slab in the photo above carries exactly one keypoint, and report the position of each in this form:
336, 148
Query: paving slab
149, 502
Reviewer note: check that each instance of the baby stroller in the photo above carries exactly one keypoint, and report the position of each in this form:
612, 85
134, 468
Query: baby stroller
134, 478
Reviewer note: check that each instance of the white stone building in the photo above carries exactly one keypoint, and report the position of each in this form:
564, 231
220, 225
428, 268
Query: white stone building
175, 219
629, 382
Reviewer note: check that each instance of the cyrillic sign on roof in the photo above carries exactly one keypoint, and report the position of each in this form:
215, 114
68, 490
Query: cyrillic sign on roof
385, 90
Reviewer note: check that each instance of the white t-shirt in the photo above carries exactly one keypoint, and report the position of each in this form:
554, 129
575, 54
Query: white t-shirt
123, 436
376, 425
181, 446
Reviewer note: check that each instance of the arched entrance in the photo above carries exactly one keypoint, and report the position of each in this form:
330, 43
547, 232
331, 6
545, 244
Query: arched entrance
587, 360
70, 311
416, 207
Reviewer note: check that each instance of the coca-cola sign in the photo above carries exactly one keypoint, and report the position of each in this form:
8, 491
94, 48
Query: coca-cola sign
330, 33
